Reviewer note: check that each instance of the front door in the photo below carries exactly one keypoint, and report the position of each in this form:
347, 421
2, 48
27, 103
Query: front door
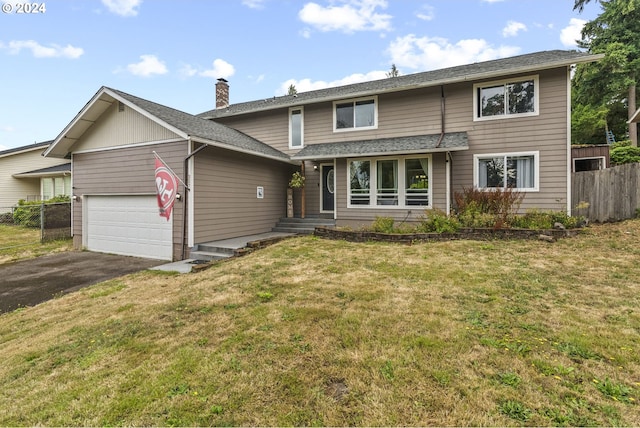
328, 187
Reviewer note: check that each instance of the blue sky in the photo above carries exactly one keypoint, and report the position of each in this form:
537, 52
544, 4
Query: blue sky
172, 51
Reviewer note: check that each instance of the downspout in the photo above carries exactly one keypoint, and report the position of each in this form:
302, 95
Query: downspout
449, 168
187, 190
441, 116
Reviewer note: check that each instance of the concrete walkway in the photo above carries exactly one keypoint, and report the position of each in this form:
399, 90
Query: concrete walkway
185, 266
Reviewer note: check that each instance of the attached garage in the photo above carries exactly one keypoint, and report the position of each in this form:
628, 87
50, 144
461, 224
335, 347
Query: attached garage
127, 225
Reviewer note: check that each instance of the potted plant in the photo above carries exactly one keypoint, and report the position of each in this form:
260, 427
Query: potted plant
296, 182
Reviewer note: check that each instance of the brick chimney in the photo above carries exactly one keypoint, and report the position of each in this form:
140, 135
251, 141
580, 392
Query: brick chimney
222, 94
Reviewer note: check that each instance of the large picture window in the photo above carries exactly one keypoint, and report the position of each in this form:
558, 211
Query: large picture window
390, 182
517, 171
496, 100
355, 114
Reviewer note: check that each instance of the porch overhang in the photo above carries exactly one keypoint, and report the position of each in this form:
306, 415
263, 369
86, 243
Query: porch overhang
434, 143
52, 171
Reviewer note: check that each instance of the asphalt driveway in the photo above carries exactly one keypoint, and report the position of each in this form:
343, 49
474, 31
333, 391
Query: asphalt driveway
29, 282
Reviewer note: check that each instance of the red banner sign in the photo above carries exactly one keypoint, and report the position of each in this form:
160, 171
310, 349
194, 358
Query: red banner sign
166, 189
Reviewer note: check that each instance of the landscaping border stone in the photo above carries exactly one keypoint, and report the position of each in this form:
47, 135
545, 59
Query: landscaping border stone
477, 234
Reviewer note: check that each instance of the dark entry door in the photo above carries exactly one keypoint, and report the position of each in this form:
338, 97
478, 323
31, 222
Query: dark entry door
328, 187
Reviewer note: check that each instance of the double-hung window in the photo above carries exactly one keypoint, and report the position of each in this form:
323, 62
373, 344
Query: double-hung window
355, 114
390, 182
518, 171
509, 98
296, 128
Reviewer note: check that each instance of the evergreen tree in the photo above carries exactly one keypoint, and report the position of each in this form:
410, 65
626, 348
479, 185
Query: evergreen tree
611, 83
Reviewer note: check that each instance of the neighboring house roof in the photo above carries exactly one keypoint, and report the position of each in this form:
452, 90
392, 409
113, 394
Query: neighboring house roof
635, 118
471, 72
386, 146
62, 169
17, 150
183, 124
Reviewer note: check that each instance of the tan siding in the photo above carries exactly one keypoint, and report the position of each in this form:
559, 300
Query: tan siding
418, 112
546, 133
120, 128
226, 205
14, 189
126, 171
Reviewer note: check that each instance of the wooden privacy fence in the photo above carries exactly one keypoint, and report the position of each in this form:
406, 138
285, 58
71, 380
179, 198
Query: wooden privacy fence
610, 194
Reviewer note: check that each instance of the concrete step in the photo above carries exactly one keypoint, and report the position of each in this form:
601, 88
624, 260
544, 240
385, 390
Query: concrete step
210, 252
303, 226
208, 256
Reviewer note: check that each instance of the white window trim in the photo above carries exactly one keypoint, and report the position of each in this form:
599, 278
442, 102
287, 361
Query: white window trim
291, 110
536, 98
536, 166
602, 159
373, 181
354, 100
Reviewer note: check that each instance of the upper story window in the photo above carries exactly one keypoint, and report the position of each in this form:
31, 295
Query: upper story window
296, 128
519, 171
355, 114
507, 98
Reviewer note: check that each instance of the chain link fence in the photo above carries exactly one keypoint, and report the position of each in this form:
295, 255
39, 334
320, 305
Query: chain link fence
52, 219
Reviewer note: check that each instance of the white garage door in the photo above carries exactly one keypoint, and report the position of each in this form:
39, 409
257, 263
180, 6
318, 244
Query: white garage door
128, 225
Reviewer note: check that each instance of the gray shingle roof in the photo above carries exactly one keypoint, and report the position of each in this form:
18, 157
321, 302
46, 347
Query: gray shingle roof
43, 144
476, 71
386, 146
60, 169
206, 129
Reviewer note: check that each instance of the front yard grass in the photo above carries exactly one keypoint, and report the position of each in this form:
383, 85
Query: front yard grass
20, 242
330, 333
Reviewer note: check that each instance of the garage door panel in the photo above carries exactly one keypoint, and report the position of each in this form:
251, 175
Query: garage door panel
128, 225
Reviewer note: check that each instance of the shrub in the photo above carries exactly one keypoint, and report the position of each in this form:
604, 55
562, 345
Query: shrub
383, 225
438, 221
535, 219
28, 213
621, 154
487, 208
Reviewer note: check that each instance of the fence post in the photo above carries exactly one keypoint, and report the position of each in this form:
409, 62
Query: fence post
42, 222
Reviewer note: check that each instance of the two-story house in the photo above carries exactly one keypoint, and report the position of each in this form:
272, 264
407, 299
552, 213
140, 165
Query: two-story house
395, 147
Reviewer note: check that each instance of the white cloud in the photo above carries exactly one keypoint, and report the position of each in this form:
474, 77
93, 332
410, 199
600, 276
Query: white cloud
305, 85
123, 7
39, 51
149, 65
187, 71
492, 1
351, 16
426, 13
430, 53
513, 28
572, 32
7, 128
254, 4
221, 70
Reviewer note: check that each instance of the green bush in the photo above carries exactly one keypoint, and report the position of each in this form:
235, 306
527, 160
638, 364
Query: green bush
621, 153
383, 225
439, 222
535, 219
28, 213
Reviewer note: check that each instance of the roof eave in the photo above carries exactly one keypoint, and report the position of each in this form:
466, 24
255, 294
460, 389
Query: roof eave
221, 145
431, 83
381, 153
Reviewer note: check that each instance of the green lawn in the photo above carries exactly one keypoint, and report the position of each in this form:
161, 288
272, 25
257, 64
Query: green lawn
330, 333
19, 242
